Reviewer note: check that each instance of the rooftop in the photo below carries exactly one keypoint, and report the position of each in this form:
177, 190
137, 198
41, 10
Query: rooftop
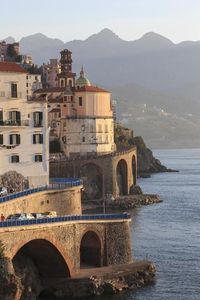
11, 67
92, 89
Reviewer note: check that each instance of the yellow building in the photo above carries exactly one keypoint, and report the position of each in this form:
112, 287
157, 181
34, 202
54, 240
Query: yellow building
86, 122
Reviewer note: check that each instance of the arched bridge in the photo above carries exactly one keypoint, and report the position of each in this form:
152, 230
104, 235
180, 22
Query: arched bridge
59, 247
112, 173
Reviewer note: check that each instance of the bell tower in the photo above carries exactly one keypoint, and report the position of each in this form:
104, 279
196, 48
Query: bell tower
66, 77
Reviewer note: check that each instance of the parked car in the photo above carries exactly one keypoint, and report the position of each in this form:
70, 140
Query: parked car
49, 214
38, 215
3, 191
23, 216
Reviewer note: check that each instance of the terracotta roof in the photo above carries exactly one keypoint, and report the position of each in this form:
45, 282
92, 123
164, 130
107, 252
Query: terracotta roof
11, 67
92, 89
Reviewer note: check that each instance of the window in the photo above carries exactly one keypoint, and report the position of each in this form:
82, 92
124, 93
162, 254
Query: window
37, 118
15, 117
38, 158
14, 139
1, 117
80, 100
27, 84
13, 90
37, 138
14, 158
36, 78
62, 83
1, 139
83, 139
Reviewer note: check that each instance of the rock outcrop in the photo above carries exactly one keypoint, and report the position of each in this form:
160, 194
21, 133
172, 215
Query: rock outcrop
132, 201
10, 284
147, 163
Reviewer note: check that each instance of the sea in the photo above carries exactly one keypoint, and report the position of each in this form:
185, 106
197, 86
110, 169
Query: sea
168, 233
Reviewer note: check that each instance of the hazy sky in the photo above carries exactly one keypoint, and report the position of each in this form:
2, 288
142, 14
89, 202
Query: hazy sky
176, 19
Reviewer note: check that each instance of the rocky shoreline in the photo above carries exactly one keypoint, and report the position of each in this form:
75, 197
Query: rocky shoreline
133, 201
89, 282
105, 281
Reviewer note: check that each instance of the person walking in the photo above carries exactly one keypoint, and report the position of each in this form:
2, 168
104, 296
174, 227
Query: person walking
2, 218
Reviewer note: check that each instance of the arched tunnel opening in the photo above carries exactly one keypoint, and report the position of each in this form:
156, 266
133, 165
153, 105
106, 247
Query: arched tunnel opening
134, 170
90, 250
122, 179
35, 263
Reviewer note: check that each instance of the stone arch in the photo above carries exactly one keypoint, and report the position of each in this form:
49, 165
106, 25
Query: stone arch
122, 177
90, 250
45, 257
92, 177
134, 169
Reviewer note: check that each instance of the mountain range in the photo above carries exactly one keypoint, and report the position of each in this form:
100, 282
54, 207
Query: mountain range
152, 73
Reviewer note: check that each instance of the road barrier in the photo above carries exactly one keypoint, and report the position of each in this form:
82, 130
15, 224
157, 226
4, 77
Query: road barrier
69, 218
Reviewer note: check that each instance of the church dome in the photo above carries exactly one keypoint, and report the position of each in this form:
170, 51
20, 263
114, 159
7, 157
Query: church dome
82, 80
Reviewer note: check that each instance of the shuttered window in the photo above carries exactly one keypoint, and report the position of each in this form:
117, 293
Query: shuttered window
14, 139
38, 158
1, 139
37, 138
14, 158
13, 90
37, 118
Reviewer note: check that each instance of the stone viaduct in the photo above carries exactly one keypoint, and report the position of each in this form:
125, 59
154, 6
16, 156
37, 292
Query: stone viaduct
111, 174
61, 249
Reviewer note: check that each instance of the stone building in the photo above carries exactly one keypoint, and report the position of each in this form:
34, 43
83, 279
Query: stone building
80, 114
50, 72
24, 136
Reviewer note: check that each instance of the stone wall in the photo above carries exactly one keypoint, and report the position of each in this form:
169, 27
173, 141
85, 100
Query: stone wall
114, 239
64, 202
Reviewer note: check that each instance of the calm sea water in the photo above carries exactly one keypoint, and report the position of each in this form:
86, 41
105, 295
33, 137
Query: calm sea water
169, 233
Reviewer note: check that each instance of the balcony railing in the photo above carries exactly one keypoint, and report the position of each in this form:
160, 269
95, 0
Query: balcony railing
14, 123
38, 124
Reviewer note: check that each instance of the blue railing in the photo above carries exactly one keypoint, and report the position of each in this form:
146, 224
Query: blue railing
97, 217
64, 182
55, 183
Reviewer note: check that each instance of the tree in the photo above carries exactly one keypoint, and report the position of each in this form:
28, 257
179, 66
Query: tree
11, 51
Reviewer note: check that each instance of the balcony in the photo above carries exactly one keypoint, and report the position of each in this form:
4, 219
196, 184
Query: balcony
37, 123
14, 123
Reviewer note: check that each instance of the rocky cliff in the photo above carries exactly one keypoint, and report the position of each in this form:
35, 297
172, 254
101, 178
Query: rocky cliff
147, 163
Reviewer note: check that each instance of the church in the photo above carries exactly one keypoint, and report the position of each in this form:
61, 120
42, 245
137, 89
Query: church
80, 114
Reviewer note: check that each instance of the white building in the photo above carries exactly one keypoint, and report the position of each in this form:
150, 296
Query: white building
33, 83
24, 141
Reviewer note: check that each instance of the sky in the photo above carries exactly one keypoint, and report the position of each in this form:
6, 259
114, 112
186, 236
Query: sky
67, 20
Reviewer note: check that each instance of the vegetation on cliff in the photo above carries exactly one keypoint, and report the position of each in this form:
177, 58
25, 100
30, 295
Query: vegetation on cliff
146, 162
